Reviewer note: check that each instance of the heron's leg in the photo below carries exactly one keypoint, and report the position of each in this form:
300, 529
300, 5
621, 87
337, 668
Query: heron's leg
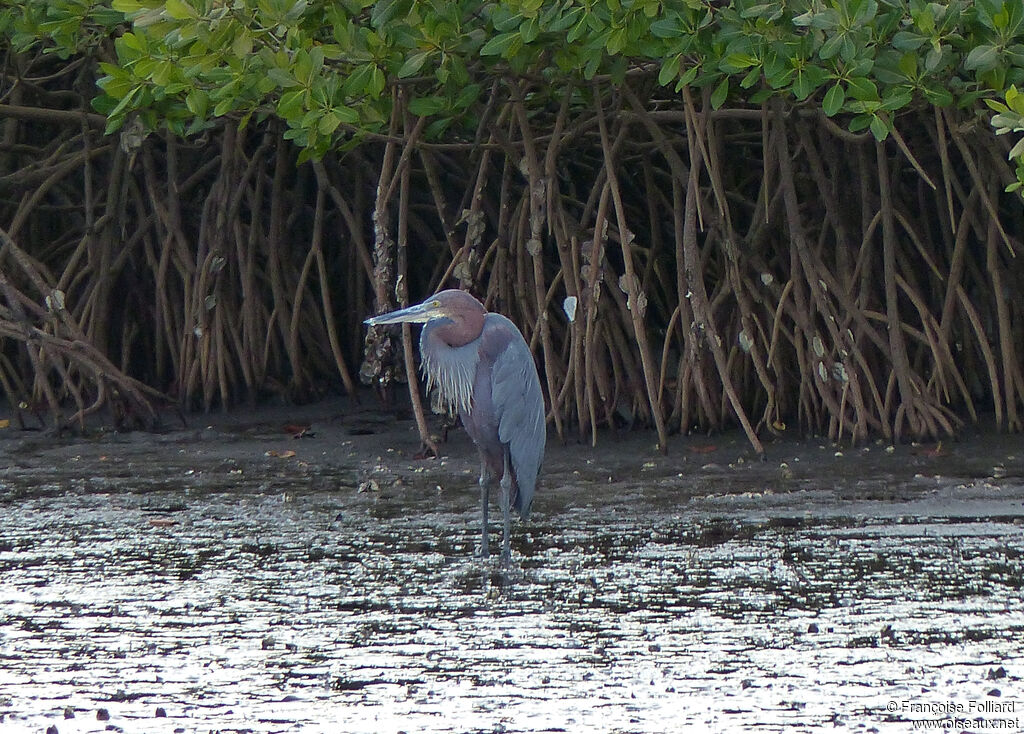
506, 516
485, 482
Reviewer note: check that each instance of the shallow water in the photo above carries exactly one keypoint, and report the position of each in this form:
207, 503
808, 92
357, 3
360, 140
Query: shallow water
183, 597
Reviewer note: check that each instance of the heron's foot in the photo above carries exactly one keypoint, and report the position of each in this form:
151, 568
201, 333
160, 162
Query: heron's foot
504, 557
499, 560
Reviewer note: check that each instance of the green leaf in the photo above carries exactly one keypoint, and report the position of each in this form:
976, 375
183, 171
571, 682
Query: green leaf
311, 119
879, 128
281, 78
242, 45
669, 27
1003, 123
224, 106
687, 77
755, 11
180, 10
295, 12
860, 122
127, 101
529, 30
130, 41
549, 16
616, 41
834, 99
908, 41
413, 64
808, 80
822, 20
897, 99
426, 106
865, 12
499, 44
303, 67
849, 50
469, 94
863, 89
565, 21
737, 62
803, 87
383, 11
163, 73
197, 102
377, 81
982, 58
933, 58
507, 21
117, 83
1015, 99
669, 70
113, 124
753, 77
937, 95
436, 128
719, 95
908, 64
779, 78
291, 104
925, 20
346, 114
831, 47
328, 124
578, 30
358, 82
986, 9
1017, 151
297, 134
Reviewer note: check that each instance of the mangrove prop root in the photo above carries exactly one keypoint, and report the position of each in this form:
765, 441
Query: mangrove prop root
671, 265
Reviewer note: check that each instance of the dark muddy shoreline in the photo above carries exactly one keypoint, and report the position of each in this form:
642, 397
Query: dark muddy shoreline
212, 575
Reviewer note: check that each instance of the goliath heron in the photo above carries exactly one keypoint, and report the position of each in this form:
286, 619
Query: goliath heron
482, 367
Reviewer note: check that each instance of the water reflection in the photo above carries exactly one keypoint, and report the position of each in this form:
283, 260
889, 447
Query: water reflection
269, 606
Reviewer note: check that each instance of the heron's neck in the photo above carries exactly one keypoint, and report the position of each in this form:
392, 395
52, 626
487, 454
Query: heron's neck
451, 369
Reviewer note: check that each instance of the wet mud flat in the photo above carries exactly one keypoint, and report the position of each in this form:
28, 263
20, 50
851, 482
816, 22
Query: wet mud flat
234, 579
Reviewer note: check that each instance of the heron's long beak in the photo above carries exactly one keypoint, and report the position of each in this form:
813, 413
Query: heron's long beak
418, 314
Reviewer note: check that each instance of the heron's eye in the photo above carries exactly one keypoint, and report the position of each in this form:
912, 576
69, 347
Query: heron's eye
435, 304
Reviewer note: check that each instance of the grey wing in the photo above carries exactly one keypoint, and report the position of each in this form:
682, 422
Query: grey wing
519, 406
